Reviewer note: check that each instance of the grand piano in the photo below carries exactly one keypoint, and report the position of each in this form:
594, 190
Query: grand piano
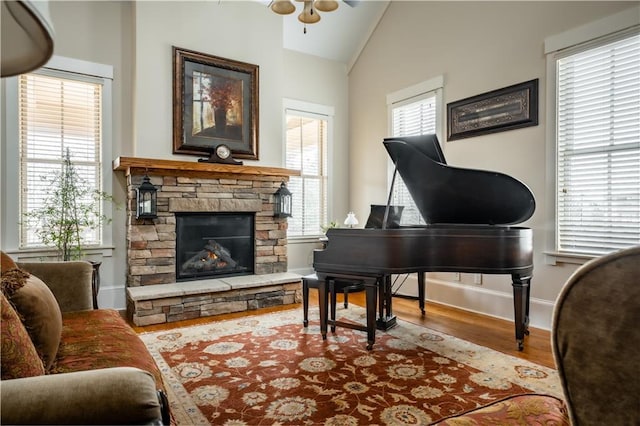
470, 216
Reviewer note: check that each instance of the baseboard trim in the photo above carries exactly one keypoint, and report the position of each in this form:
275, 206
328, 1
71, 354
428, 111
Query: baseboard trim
487, 302
112, 298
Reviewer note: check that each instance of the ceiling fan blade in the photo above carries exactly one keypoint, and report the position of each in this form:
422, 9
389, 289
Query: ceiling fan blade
352, 3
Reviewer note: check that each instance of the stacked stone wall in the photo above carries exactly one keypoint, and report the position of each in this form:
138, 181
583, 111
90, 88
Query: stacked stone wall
151, 250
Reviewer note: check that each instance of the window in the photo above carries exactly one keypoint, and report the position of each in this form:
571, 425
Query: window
306, 144
58, 112
597, 136
415, 111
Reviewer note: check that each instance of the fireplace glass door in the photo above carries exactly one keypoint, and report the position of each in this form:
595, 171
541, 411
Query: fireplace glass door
211, 245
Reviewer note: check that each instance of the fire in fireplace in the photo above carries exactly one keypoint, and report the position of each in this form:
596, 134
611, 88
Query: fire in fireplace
210, 245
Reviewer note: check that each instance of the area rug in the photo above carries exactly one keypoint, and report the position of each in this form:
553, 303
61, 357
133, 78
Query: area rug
270, 370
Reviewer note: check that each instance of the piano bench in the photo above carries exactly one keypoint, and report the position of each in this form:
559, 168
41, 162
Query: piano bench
339, 286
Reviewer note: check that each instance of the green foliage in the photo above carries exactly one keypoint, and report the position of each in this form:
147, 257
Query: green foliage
70, 208
332, 224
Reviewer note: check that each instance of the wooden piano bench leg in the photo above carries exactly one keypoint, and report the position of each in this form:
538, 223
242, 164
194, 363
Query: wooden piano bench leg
322, 301
421, 292
308, 281
332, 305
305, 301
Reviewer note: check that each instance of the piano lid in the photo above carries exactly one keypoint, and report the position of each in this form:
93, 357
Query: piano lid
448, 195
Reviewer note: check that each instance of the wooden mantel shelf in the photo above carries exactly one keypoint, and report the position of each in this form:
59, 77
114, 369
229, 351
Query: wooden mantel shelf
140, 166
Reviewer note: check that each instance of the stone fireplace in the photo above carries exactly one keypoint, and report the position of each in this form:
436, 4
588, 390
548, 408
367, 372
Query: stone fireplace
155, 293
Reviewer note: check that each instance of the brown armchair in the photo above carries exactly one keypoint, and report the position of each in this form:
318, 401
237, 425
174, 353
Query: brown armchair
93, 380
595, 341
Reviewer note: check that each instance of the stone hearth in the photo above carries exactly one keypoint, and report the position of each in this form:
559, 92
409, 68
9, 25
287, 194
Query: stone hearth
200, 187
194, 299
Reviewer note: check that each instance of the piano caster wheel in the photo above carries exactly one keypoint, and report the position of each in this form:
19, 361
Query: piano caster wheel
305, 324
369, 346
526, 332
520, 345
324, 337
424, 312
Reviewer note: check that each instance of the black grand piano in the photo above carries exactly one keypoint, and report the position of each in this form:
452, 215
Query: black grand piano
470, 216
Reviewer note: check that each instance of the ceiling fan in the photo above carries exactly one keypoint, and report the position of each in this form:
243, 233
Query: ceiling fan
310, 9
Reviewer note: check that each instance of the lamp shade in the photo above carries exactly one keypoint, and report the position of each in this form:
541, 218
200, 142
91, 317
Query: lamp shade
351, 220
27, 36
283, 7
325, 5
309, 15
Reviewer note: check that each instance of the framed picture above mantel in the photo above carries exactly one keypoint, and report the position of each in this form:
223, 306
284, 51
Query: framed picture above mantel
215, 102
509, 108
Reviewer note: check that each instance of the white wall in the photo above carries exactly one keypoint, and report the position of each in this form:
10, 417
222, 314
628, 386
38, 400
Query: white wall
323, 82
247, 32
477, 47
97, 32
136, 38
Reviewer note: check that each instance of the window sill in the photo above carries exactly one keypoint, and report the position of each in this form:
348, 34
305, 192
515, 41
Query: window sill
555, 258
35, 254
305, 240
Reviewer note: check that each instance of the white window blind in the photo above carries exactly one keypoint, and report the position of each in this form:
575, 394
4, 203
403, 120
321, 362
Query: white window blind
306, 150
57, 112
413, 117
598, 147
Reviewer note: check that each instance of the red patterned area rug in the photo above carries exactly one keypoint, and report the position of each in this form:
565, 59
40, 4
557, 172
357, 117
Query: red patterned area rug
269, 370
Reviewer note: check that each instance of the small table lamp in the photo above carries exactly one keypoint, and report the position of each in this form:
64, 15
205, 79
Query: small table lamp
351, 220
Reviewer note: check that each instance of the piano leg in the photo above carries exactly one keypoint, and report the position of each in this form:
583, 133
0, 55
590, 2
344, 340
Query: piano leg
421, 295
371, 289
521, 287
323, 300
386, 319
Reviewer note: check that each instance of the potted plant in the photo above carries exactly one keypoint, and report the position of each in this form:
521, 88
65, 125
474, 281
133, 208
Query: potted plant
70, 208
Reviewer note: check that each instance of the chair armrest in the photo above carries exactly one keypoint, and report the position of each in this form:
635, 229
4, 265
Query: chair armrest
70, 282
120, 395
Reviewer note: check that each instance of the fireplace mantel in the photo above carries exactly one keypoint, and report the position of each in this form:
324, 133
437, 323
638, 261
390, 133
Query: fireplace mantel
140, 166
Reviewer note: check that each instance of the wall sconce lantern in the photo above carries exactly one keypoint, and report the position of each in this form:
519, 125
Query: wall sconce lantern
282, 202
146, 199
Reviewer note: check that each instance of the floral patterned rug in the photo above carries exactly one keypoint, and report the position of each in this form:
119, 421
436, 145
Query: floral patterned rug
270, 370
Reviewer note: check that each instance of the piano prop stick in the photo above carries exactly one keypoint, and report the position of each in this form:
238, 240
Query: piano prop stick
469, 217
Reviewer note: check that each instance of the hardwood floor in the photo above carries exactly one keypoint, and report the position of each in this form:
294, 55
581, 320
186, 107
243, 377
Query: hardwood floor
480, 329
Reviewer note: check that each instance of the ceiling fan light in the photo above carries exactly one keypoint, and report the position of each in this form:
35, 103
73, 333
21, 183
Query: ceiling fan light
325, 5
309, 15
283, 7
27, 36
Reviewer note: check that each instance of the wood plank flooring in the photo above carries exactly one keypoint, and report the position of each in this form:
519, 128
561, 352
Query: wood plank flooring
480, 329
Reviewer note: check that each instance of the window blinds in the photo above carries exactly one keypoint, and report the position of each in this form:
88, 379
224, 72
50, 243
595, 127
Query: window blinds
56, 114
410, 118
306, 144
598, 148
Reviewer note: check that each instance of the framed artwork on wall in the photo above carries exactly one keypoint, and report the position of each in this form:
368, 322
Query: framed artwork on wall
215, 102
508, 108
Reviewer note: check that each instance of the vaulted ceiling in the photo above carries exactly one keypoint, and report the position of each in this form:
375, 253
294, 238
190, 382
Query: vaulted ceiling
340, 35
